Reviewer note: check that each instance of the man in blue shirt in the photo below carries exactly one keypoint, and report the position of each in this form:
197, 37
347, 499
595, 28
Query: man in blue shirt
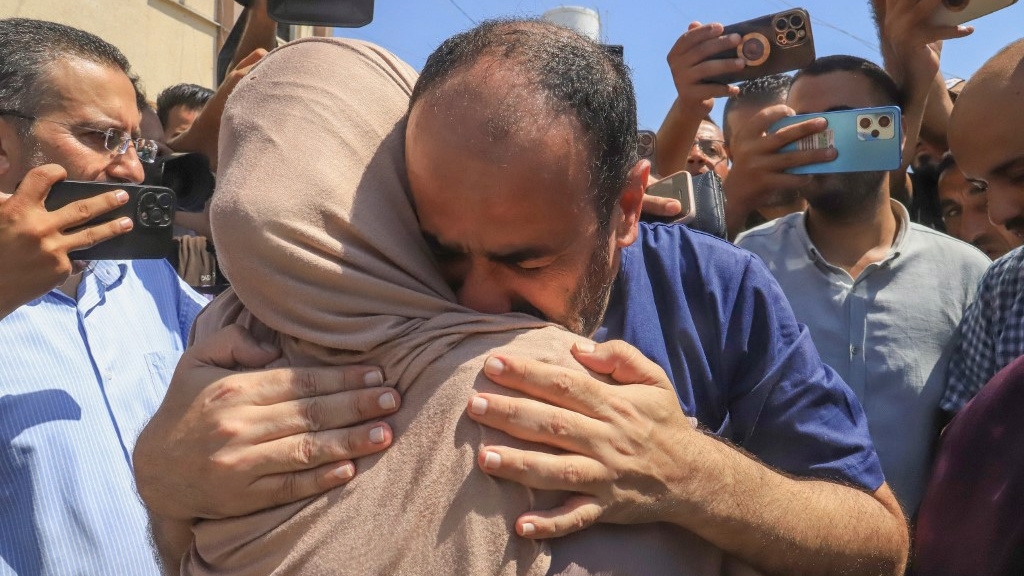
86, 364
522, 165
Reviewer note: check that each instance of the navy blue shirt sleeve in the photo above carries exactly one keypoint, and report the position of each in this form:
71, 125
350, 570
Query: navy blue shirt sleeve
716, 320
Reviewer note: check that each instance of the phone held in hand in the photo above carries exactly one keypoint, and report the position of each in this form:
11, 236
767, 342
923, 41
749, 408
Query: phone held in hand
866, 140
678, 186
956, 12
151, 208
770, 45
646, 141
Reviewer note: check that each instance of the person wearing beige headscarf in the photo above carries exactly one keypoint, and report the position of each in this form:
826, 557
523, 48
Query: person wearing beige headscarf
323, 249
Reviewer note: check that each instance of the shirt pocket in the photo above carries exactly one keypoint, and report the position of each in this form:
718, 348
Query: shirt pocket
161, 367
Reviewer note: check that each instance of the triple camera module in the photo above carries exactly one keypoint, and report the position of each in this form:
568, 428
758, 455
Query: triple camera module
156, 209
790, 29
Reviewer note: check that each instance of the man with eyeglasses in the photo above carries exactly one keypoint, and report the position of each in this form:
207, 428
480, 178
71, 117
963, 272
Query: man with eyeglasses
707, 152
88, 347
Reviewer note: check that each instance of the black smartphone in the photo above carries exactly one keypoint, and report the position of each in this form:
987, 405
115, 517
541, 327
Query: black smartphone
771, 44
151, 208
645, 146
339, 13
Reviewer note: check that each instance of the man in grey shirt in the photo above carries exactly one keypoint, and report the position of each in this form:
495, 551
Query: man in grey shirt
882, 296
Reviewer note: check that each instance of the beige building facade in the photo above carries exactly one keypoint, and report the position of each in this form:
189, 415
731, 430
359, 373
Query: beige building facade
166, 41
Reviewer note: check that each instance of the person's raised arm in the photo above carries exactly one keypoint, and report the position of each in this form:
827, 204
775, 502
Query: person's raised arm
202, 135
688, 60
633, 457
259, 33
911, 48
228, 442
34, 243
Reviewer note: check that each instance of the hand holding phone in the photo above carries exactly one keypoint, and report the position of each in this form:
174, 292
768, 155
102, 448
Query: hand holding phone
864, 139
148, 209
691, 63
677, 187
956, 12
769, 45
34, 242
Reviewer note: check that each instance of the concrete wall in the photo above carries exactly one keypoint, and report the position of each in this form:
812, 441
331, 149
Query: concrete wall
166, 41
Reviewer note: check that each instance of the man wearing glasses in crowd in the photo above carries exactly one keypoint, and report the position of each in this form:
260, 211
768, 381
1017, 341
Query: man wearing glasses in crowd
89, 347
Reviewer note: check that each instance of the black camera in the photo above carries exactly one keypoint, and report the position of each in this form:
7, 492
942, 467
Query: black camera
188, 174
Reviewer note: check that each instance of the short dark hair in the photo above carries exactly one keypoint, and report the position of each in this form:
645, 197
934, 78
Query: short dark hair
574, 74
763, 91
28, 47
947, 162
883, 83
191, 96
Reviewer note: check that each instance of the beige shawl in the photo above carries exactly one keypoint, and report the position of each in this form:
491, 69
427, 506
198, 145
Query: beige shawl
317, 235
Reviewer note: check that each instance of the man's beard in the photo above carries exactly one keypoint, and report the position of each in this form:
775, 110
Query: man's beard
843, 196
590, 299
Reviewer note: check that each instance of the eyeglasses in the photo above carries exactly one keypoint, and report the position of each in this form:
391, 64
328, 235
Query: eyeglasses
114, 140
713, 149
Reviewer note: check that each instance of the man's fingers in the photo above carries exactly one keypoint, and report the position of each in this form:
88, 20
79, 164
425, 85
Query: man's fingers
570, 472
794, 132
230, 348
693, 36
95, 234
534, 421
760, 122
796, 158
327, 412
37, 182
287, 488
312, 450
571, 389
82, 211
659, 206
251, 58
283, 385
578, 512
624, 363
708, 48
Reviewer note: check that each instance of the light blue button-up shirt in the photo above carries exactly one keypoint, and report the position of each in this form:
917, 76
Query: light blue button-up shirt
78, 381
888, 333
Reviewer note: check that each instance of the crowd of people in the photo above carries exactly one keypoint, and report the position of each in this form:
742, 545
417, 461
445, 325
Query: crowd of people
451, 346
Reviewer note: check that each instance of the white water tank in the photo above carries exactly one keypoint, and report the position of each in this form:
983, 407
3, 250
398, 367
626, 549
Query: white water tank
583, 20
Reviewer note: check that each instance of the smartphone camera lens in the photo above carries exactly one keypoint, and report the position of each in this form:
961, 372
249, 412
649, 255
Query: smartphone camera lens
781, 24
884, 121
791, 36
875, 133
865, 123
796, 21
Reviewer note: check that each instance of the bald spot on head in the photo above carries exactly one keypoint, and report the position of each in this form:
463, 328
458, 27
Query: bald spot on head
1001, 75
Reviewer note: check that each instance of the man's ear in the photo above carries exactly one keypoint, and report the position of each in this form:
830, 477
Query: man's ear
630, 202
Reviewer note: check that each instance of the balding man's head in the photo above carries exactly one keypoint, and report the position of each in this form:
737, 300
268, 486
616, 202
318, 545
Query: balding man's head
986, 134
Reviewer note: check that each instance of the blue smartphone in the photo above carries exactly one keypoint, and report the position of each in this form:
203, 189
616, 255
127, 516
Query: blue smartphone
867, 140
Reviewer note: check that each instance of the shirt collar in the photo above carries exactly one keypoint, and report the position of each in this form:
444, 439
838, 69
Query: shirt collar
107, 272
898, 245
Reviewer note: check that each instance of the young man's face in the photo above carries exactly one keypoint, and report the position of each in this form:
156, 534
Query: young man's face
708, 152
86, 97
965, 214
838, 90
179, 119
511, 219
